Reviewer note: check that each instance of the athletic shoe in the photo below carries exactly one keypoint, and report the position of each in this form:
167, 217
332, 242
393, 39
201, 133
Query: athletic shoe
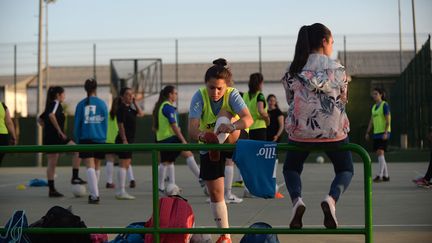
232, 199
132, 184
422, 182
238, 184
124, 196
92, 200
55, 193
110, 185
377, 179
386, 178
329, 210
223, 239
247, 194
162, 192
78, 180
297, 214
279, 195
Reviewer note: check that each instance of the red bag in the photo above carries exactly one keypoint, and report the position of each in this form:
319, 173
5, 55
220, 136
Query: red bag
175, 212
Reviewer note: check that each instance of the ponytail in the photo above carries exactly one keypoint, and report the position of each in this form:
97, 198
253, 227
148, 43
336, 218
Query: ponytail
52, 95
163, 96
90, 87
114, 107
309, 39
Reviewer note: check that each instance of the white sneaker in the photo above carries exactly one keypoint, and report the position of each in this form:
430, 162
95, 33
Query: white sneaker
124, 196
329, 209
232, 199
247, 194
297, 214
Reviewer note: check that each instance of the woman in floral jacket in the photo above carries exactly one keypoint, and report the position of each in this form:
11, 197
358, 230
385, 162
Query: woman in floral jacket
316, 91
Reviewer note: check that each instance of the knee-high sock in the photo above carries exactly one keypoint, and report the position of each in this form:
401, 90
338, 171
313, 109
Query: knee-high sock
382, 165
122, 179
97, 175
162, 175
220, 214
130, 174
170, 173
92, 183
229, 174
109, 170
191, 163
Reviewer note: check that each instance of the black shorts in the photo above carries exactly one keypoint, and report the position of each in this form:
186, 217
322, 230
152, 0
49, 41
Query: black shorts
169, 156
379, 143
4, 141
211, 170
258, 134
55, 140
86, 155
125, 154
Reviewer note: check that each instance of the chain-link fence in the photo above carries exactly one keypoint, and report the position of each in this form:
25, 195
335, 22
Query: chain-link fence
412, 99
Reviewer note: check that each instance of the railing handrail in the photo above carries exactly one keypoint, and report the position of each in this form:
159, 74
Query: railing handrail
156, 230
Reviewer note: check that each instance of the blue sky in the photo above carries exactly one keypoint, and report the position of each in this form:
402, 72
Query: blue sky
107, 19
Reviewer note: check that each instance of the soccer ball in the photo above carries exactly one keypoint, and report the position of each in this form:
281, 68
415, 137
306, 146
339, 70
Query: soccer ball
172, 190
201, 238
79, 190
320, 160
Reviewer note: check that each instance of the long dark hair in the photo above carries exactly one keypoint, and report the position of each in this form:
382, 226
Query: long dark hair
255, 80
309, 39
382, 92
52, 95
219, 71
163, 96
114, 107
90, 87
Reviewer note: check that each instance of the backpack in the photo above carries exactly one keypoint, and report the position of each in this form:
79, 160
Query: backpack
131, 238
260, 238
175, 212
14, 227
58, 217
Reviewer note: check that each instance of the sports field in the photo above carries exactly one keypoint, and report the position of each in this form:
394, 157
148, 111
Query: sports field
401, 211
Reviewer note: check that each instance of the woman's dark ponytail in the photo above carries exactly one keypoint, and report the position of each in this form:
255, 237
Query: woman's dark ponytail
90, 87
309, 40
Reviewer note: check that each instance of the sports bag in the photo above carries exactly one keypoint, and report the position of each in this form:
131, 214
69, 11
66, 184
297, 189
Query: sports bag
175, 212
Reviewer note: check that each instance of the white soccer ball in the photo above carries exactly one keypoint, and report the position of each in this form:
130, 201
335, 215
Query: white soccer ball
172, 190
79, 190
201, 238
320, 160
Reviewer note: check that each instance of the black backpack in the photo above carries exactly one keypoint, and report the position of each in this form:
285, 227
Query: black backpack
59, 217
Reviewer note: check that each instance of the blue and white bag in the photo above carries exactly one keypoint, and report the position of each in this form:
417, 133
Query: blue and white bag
14, 227
257, 163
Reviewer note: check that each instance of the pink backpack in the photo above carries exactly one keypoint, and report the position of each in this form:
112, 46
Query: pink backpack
175, 212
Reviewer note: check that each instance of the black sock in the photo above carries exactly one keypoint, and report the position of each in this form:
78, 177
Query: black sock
51, 185
75, 173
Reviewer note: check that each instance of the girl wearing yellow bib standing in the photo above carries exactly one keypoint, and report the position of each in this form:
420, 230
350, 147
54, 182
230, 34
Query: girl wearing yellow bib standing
381, 123
7, 129
165, 124
212, 109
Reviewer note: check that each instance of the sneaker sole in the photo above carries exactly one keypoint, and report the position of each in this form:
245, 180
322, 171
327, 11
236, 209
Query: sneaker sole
232, 202
329, 221
125, 198
296, 222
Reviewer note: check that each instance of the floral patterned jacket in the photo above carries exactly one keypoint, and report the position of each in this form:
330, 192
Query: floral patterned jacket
317, 97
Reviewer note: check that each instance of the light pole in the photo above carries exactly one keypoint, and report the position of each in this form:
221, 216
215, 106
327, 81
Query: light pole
40, 86
47, 83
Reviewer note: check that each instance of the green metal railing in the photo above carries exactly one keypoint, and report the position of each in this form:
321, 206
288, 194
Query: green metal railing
156, 230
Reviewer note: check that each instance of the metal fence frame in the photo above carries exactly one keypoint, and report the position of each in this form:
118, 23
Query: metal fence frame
367, 231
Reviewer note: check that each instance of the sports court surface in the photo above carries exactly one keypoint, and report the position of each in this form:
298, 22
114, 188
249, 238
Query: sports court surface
402, 212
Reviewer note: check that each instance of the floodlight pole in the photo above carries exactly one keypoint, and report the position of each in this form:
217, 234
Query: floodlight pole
40, 87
